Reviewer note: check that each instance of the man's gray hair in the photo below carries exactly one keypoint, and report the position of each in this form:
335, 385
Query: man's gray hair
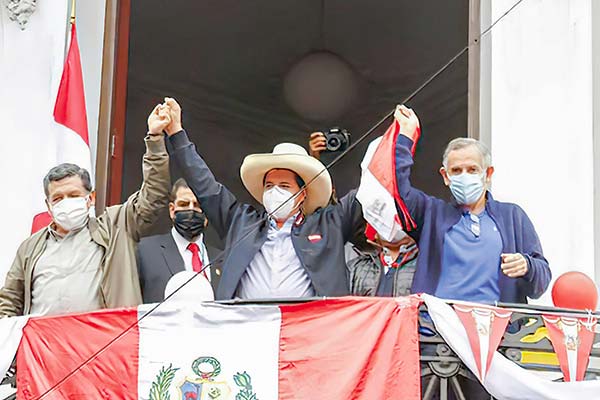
461, 143
67, 170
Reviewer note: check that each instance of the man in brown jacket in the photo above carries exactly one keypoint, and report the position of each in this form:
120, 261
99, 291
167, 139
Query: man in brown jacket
81, 263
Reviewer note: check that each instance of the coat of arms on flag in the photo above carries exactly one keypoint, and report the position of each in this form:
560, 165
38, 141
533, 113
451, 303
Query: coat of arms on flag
204, 386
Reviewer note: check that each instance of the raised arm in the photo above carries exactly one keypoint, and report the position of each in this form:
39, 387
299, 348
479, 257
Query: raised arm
415, 200
217, 202
142, 208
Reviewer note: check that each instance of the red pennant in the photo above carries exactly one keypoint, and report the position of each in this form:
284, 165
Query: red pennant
572, 340
485, 327
69, 109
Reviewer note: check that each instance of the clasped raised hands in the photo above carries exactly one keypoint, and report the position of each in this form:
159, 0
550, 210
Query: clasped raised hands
159, 119
165, 117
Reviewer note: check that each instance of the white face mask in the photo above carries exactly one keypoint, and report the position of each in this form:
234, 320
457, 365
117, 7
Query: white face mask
274, 198
71, 213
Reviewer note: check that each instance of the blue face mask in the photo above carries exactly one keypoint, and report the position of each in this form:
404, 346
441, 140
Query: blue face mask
467, 188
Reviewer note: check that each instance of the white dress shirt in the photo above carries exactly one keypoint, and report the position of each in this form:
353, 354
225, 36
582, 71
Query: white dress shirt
182, 244
276, 271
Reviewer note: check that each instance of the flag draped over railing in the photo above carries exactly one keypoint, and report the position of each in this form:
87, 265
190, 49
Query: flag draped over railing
346, 348
342, 348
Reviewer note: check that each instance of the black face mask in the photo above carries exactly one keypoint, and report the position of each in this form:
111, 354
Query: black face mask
189, 223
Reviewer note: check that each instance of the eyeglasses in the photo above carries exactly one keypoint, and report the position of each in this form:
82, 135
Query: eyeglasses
475, 226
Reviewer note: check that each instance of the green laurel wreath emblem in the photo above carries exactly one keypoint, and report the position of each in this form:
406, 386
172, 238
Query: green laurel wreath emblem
208, 375
244, 382
160, 387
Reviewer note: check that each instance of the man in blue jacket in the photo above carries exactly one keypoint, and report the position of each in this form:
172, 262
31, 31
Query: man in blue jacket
291, 247
474, 248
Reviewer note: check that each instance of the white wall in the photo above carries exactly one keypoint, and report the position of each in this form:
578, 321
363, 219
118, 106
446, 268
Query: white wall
541, 123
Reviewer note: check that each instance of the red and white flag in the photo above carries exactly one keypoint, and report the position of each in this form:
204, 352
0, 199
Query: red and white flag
572, 339
69, 109
378, 190
505, 380
485, 327
70, 112
347, 348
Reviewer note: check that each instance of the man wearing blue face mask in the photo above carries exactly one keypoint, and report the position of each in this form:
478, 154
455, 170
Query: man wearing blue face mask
80, 262
474, 248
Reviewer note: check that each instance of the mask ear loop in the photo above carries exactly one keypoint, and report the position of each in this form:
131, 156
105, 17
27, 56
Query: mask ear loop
92, 207
301, 206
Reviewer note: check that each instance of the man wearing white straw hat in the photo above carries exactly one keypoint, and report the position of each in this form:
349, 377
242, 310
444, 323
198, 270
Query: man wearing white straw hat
293, 246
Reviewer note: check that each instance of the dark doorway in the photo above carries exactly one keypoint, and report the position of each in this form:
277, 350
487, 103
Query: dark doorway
226, 62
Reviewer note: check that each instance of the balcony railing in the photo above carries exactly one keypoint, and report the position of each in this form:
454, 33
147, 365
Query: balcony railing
443, 374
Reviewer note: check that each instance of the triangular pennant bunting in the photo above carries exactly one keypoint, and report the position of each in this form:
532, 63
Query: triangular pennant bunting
572, 339
485, 327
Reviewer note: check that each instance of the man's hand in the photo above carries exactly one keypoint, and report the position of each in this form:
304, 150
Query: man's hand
514, 265
409, 123
175, 111
158, 120
317, 144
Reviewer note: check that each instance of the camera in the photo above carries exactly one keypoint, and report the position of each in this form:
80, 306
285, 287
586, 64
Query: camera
337, 139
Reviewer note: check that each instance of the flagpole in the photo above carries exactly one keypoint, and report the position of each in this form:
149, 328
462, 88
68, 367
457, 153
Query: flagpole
69, 27
72, 12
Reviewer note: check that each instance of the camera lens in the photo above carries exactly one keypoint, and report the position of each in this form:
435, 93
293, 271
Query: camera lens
333, 144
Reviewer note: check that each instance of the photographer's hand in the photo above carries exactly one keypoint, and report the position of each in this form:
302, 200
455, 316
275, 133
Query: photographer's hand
317, 144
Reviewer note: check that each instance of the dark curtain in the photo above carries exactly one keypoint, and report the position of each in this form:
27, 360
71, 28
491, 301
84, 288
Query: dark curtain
225, 61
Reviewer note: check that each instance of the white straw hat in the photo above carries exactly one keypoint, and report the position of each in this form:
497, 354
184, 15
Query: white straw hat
295, 158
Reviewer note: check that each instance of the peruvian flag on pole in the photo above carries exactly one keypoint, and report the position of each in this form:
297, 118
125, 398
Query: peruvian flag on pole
378, 190
347, 348
70, 112
69, 109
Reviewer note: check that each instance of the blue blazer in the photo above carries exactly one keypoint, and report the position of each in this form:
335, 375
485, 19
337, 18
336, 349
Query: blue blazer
434, 217
244, 228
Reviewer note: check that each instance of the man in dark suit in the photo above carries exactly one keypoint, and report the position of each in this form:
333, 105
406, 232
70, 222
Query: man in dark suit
160, 257
291, 246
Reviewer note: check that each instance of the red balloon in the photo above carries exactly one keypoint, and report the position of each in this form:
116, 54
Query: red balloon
575, 290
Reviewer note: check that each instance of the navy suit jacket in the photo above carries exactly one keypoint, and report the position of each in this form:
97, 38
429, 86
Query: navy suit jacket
159, 259
244, 228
